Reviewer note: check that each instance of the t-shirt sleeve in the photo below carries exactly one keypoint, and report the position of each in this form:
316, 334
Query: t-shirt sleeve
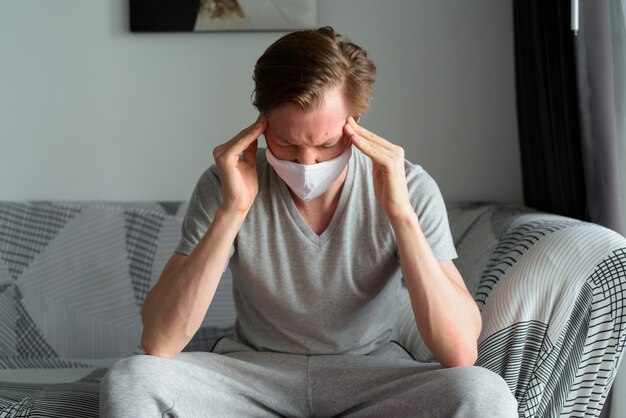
431, 211
203, 204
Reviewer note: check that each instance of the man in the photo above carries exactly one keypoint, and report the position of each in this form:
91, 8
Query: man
319, 230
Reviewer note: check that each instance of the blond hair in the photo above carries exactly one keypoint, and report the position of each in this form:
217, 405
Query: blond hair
302, 66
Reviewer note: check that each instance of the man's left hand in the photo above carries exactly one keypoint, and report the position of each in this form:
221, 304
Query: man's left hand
390, 184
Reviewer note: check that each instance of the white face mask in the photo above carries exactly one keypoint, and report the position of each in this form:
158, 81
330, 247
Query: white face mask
310, 181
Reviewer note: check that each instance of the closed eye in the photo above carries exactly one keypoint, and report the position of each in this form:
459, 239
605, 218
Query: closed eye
333, 144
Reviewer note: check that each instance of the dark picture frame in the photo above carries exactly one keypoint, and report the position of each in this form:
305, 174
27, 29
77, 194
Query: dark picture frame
221, 15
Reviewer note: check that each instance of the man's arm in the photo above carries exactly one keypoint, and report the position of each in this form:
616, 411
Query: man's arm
446, 315
175, 307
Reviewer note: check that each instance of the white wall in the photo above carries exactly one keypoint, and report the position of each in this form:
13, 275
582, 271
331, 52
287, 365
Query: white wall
89, 110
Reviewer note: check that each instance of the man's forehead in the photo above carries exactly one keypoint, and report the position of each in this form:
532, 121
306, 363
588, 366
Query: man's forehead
317, 127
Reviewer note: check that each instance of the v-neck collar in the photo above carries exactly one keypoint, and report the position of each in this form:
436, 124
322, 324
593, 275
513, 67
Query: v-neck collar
337, 215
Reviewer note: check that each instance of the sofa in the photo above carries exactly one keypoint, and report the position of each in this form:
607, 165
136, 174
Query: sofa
73, 276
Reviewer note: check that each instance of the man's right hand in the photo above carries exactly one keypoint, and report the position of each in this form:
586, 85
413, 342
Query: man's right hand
236, 164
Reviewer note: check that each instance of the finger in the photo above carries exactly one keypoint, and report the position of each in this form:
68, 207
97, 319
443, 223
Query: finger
369, 148
242, 140
258, 127
249, 154
251, 133
369, 136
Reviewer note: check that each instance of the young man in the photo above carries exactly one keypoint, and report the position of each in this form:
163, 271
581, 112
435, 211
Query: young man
318, 229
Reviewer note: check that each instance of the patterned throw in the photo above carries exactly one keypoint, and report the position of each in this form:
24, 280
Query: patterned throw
73, 277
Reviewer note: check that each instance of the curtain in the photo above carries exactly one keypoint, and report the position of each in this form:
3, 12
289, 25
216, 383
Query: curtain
599, 140
617, 407
547, 107
618, 29
566, 110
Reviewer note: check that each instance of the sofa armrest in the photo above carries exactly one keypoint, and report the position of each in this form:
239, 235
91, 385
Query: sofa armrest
552, 301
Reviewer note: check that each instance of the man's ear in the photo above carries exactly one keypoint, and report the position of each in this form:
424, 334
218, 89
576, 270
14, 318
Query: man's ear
357, 118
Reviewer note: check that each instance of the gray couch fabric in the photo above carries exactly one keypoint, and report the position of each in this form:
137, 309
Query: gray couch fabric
73, 276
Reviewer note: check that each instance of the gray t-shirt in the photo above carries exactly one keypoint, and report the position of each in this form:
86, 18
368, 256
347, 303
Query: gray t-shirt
298, 292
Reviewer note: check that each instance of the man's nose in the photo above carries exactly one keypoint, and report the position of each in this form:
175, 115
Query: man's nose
308, 156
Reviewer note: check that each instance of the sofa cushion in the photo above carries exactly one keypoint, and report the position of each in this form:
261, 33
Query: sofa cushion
73, 277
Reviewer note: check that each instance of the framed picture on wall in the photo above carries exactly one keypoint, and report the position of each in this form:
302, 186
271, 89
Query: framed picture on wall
221, 15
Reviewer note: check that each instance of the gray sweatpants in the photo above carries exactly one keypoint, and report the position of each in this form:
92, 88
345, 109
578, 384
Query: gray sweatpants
237, 381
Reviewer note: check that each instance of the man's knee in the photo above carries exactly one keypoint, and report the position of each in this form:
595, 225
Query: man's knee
129, 378
132, 370
480, 392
